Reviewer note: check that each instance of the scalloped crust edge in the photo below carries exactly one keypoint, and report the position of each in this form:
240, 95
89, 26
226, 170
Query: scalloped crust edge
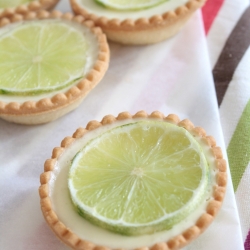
179, 241
48, 109
143, 30
32, 6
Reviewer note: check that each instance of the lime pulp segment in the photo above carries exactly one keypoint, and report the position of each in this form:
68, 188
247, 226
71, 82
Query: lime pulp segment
139, 178
41, 56
129, 4
12, 3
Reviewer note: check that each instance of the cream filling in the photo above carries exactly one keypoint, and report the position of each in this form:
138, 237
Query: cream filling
61, 203
92, 7
92, 55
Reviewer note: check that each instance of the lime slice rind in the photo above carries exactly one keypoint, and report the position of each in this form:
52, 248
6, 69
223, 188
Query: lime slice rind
127, 6
122, 227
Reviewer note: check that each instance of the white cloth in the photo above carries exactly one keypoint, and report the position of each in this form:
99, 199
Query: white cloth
173, 77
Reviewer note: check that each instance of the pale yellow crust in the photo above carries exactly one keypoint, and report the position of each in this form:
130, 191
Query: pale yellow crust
179, 241
32, 6
143, 30
48, 109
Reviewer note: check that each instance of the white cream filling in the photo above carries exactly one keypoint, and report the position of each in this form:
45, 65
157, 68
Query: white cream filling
91, 57
92, 7
66, 213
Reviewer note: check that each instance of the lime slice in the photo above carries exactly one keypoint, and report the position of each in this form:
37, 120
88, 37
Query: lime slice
41, 56
12, 3
129, 4
139, 178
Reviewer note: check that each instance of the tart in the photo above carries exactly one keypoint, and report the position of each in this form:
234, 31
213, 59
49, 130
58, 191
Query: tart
143, 26
74, 230
23, 7
47, 75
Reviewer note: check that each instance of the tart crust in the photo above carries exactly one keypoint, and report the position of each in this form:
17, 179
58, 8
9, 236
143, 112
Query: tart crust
48, 109
143, 30
32, 6
177, 242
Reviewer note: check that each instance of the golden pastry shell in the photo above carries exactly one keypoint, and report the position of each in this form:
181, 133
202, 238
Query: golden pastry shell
32, 6
177, 242
149, 30
77, 91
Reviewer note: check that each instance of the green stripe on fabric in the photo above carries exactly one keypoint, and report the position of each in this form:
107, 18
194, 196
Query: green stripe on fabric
239, 147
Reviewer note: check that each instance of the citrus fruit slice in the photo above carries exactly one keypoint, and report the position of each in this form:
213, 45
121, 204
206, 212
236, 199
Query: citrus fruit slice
41, 56
12, 3
139, 178
129, 4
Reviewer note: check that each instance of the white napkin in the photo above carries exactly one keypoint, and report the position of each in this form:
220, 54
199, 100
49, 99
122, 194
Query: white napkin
173, 77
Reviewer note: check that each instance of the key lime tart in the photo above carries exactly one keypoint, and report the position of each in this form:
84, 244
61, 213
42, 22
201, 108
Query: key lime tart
138, 21
10, 7
133, 182
49, 62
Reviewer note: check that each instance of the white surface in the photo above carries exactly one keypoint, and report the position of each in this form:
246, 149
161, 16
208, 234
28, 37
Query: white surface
173, 77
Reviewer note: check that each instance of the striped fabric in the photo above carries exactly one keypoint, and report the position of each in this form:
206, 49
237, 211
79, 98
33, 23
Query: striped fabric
229, 47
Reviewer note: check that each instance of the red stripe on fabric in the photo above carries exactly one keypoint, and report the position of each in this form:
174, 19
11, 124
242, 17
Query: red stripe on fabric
210, 11
247, 242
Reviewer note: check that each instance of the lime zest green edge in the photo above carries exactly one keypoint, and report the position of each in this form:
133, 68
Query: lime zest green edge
99, 2
239, 147
132, 231
38, 91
